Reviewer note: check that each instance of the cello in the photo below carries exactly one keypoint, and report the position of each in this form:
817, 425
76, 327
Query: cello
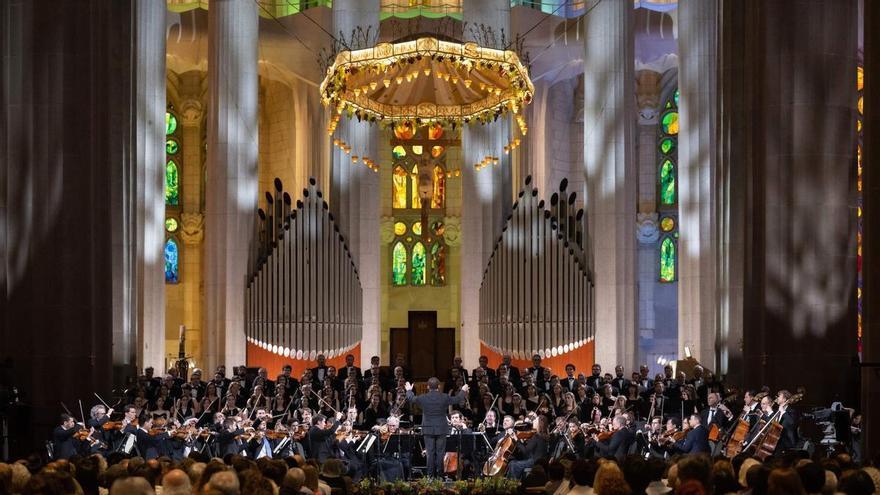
769, 434
740, 432
498, 462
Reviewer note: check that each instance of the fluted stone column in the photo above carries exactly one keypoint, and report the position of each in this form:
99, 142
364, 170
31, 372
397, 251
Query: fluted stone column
231, 190
192, 224
149, 132
487, 196
697, 288
610, 173
355, 188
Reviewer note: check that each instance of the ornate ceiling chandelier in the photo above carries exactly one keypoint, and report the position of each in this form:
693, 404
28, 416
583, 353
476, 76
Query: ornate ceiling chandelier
426, 81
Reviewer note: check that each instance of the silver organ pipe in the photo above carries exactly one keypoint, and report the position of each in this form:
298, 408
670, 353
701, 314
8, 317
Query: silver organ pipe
303, 295
536, 294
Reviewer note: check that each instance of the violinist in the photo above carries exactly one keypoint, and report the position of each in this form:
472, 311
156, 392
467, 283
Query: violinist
151, 443
259, 444
320, 437
344, 448
619, 442
652, 437
697, 439
64, 443
395, 458
98, 417
229, 440
526, 454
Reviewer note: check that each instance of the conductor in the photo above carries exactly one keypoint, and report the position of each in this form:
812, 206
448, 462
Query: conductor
434, 406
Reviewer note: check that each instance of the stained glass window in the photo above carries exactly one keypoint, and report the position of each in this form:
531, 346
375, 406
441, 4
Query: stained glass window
860, 86
438, 264
171, 147
435, 132
172, 259
171, 225
404, 130
172, 184
398, 184
667, 186
398, 264
398, 152
399, 228
417, 228
414, 180
418, 264
417, 149
667, 259
170, 123
439, 196
667, 182
436, 151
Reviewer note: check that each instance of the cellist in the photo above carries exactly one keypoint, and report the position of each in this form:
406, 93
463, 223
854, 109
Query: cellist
788, 419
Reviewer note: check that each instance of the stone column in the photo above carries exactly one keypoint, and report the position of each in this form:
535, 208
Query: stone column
149, 134
697, 288
488, 195
871, 233
800, 273
355, 188
192, 224
231, 190
610, 174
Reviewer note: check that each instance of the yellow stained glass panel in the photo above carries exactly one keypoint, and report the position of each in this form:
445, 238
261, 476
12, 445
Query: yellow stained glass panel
398, 185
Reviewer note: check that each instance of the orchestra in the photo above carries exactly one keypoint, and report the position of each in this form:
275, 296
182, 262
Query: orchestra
469, 424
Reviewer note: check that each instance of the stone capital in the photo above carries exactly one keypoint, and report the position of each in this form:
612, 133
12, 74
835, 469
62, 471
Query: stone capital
191, 112
647, 227
452, 231
192, 228
648, 96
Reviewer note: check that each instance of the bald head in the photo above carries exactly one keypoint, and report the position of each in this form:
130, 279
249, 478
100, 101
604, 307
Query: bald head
176, 482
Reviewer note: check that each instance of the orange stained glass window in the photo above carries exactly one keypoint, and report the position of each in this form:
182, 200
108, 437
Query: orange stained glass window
439, 196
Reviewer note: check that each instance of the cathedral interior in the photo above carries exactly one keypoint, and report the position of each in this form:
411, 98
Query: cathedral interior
613, 182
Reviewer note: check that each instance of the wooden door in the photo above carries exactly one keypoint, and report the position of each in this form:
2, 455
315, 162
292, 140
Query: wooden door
428, 350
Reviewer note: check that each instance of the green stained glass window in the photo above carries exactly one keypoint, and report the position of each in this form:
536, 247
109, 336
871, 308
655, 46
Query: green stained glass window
667, 145
438, 265
419, 274
675, 97
667, 260
667, 182
398, 152
170, 123
172, 259
172, 184
669, 123
398, 264
171, 224
171, 147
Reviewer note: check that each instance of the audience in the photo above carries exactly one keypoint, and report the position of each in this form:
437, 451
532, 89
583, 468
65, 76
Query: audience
633, 475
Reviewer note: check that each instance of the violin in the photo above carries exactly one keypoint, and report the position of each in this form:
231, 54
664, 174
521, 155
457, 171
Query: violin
118, 425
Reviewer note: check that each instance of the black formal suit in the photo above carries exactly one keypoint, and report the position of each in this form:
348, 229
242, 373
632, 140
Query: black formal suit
718, 418
595, 382
353, 370
620, 383
65, 445
320, 442
228, 444
789, 437
150, 446
696, 441
569, 383
319, 373
537, 374
618, 445
526, 454
434, 406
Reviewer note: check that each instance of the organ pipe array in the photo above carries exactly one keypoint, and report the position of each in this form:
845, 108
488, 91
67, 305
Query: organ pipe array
536, 295
303, 295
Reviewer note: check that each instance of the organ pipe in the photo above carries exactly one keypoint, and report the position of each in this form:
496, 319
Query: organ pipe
303, 295
536, 294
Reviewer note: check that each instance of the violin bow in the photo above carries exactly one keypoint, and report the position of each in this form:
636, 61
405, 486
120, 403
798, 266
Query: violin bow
320, 399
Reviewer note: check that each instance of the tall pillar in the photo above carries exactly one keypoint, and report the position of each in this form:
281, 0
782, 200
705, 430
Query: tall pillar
355, 188
871, 235
800, 274
192, 223
231, 189
697, 287
149, 149
488, 191
610, 174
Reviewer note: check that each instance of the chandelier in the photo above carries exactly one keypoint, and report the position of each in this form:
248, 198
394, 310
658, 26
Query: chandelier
426, 81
